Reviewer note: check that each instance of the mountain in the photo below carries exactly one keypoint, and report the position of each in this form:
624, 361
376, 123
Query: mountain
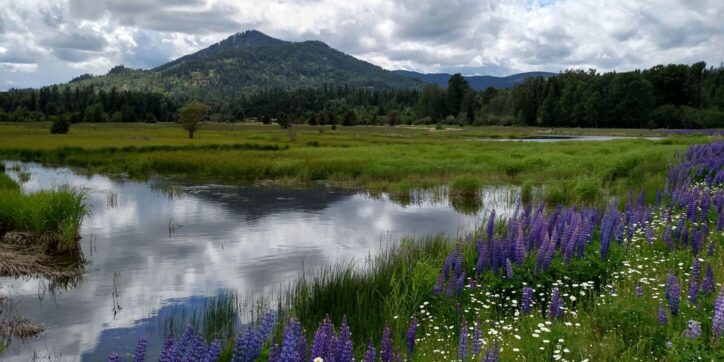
248, 62
477, 82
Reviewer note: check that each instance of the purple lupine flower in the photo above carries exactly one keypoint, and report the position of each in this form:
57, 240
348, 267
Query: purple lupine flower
274, 351
711, 249
639, 289
197, 349
248, 346
371, 353
386, 352
526, 301
114, 357
557, 304
139, 355
460, 284
707, 285
508, 269
477, 339
519, 247
693, 331
439, 283
492, 354
289, 351
410, 335
168, 352
673, 293
184, 342
663, 314
212, 355
694, 281
490, 227
242, 347
302, 346
463, 341
322, 337
344, 343
717, 324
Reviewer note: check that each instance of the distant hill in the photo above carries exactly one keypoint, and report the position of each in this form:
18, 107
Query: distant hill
477, 82
249, 62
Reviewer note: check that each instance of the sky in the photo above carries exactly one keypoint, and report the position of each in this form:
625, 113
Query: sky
51, 41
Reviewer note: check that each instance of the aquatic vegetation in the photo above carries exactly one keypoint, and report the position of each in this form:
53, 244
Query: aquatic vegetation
54, 216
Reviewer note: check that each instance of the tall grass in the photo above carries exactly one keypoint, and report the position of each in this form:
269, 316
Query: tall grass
393, 283
54, 215
6, 183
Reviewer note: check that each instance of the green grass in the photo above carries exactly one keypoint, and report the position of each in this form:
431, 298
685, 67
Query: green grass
396, 159
57, 214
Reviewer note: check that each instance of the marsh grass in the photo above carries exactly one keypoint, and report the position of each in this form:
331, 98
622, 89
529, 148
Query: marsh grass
390, 159
54, 216
390, 284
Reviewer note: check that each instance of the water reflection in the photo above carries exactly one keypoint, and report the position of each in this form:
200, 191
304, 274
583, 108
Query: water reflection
162, 240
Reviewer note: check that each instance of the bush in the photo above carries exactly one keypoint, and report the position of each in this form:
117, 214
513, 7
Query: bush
61, 125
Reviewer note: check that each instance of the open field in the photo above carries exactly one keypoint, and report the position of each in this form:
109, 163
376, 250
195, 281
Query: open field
377, 158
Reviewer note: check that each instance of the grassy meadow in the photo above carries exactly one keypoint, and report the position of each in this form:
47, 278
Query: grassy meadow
395, 159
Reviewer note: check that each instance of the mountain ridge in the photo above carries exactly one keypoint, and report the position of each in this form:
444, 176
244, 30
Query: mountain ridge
249, 62
477, 82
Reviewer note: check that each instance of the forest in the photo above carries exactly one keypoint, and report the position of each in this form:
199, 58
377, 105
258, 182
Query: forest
671, 96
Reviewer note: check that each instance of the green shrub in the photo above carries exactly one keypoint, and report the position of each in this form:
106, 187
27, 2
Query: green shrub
61, 125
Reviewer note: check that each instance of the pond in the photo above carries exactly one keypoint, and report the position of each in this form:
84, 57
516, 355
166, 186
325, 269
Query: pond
164, 245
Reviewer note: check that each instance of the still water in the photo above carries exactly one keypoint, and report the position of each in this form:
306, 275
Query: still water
159, 246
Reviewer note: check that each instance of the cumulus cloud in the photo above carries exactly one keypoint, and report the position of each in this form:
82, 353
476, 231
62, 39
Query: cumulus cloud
63, 38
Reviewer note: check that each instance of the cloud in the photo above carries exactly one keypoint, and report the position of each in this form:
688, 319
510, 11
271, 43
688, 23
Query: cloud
64, 38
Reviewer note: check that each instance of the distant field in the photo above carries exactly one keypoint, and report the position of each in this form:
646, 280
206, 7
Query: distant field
377, 158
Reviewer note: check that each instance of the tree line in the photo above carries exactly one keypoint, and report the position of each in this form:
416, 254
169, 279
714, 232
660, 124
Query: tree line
672, 96
85, 104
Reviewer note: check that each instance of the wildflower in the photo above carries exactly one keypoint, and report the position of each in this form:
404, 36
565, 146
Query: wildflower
693, 331
707, 285
463, 341
477, 339
508, 269
139, 355
526, 300
717, 325
694, 282
556, 305
289, 351
410, 335
344, 343
663, 316
214, 352
639, 289
386, 345
672, 293
492, 354
114, 357
371, 353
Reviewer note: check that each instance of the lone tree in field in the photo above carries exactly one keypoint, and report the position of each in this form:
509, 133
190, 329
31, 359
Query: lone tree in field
191, 116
